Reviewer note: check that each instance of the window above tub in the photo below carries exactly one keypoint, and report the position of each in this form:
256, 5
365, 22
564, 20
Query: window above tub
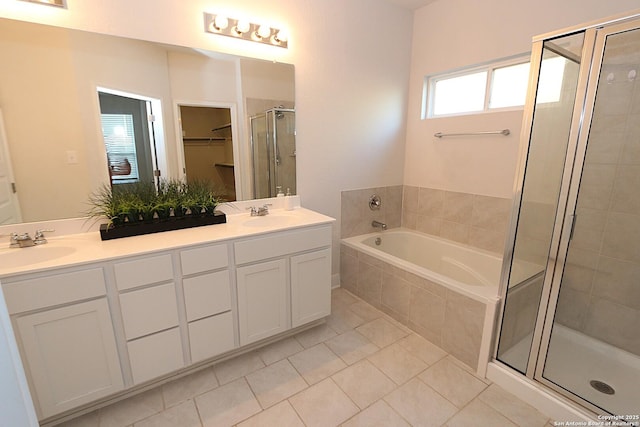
499, 85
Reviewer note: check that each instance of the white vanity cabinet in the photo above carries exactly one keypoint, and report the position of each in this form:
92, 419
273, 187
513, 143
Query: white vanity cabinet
149, 306
283, 281
208, 301
66, 337
103, 327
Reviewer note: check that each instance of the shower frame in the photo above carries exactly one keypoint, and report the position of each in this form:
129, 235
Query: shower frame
271, 148
593, 49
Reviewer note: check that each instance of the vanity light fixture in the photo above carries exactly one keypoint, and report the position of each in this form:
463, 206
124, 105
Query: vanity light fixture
59, 3
245, 30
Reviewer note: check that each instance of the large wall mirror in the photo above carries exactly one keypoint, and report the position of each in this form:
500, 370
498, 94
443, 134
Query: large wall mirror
70, 101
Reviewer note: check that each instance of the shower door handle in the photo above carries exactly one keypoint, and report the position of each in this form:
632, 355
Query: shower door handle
574, 217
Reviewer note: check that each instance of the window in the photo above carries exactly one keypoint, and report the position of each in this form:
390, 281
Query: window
120, 143
495, 86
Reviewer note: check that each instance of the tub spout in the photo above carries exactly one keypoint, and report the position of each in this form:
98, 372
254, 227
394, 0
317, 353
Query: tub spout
378, 224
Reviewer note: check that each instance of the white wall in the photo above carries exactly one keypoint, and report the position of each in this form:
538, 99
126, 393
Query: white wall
351, 77
450, 34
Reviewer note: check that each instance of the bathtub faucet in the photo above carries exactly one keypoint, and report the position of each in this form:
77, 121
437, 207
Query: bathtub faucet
378, 224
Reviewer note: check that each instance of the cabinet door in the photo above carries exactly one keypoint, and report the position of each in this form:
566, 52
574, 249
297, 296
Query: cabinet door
70, 355
262, 300
310, 287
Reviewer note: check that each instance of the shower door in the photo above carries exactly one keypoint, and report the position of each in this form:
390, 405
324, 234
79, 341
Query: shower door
273, 148
590, 346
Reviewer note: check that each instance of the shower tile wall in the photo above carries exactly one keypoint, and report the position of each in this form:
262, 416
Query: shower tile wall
479, 221
356, 217
603, 267
472, 219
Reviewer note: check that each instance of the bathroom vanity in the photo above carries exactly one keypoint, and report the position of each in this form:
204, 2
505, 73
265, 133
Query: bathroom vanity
95, 320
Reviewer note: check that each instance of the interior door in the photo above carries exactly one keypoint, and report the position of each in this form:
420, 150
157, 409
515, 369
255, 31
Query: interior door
9, 207
592, 341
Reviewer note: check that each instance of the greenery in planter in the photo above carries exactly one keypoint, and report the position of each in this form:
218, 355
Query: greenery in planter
140, 202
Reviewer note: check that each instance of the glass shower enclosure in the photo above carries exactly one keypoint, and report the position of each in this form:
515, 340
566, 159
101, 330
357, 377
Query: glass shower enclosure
571, 275
273, 151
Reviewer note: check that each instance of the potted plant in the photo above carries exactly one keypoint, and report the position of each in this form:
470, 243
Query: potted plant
138, 208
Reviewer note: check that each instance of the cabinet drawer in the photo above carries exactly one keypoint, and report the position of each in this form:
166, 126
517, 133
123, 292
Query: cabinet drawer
155, 355
207, 295
280, 244
145, 271
149, 310
211, 336
53, 290
204, 259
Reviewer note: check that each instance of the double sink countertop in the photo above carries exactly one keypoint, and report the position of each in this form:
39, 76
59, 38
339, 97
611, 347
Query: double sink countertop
83, 248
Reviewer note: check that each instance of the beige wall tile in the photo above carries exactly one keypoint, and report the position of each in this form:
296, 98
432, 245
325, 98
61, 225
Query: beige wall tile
488, 239
491, 212
614, 324
458, 207
626, 197
617, 281
622, 237
462, 329
427, 311
428, 224
396, 293
454, 231
431, 202
572, 308
410, 199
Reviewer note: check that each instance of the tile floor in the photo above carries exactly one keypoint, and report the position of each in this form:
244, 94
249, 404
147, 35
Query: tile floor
361, 368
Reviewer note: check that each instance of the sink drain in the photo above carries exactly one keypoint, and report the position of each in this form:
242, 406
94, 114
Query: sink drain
602, 387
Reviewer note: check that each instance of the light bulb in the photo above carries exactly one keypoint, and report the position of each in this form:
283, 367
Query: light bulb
220, 22
632, 75
242, 26
281, 36
263, 32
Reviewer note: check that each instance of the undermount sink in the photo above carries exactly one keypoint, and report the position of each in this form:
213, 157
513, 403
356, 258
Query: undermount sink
33, 255
271, 220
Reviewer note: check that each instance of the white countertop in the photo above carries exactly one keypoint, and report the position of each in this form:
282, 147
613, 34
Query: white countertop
77, 249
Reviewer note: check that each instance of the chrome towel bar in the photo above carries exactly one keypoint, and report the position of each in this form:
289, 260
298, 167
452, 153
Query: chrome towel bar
504, 132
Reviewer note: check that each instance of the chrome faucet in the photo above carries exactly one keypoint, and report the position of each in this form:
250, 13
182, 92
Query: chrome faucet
259, 211
378, 224
23, 240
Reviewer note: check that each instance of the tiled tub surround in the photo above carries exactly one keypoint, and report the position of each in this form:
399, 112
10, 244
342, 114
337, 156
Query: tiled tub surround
445, 317
458, 323
356, 217
472, 219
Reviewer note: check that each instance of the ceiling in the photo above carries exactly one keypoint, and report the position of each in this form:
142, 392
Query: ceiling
411, 4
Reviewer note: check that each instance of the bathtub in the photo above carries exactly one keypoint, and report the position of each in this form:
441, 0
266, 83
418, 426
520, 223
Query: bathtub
445, 291
464, 269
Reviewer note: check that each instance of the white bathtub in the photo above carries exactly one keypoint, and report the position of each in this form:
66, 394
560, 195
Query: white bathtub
472, 272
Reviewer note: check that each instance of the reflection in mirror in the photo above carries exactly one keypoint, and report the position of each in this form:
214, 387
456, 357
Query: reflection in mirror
207, 141
55, 134
273, 151
129, 138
